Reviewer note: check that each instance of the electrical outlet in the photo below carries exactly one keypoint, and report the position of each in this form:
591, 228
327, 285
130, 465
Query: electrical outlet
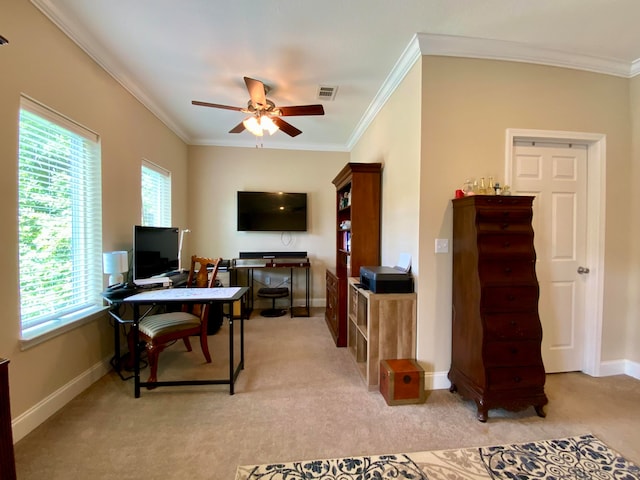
442, 245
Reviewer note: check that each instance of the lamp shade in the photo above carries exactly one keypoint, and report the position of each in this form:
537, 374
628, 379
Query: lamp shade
115, 264
253, 126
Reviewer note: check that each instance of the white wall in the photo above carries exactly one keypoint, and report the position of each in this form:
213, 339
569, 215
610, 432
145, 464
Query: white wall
217, 173
467, 107
40, 61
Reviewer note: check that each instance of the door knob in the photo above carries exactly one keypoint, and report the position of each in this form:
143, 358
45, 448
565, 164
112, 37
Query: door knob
583, 270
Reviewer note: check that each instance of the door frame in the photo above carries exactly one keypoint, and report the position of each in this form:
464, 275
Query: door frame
596, 203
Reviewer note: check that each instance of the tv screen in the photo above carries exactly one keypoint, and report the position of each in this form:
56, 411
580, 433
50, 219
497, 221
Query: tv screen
155, 251
272, 212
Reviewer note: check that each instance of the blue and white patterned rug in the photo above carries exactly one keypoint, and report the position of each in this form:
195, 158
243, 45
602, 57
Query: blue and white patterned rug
582, 457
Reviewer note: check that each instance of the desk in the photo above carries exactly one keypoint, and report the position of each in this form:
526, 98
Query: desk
182, 296
114, 312
250, 265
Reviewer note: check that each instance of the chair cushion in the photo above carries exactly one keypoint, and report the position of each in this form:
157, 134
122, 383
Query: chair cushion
276, 292
164, 323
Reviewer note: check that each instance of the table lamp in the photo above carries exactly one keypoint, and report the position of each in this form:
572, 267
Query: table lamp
115, 264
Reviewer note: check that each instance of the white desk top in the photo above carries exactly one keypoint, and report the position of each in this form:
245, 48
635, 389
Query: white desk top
185, 294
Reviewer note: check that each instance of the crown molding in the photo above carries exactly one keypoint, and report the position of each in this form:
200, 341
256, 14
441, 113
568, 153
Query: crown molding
421, 44
107, 62
409, 57
270, 143
424, 44
455, 46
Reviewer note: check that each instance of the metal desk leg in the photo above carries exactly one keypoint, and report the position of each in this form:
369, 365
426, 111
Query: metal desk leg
307, 293
242, 314
291, 281
136, 353
231, 363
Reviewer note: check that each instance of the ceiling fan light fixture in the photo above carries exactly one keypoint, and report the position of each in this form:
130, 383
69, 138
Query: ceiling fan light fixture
263, 114
251, 124
267, 124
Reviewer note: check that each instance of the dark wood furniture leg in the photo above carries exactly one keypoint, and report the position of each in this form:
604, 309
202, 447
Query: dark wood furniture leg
7, 457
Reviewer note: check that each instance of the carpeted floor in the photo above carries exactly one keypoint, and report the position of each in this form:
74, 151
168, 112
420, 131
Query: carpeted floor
581, 457
299, 397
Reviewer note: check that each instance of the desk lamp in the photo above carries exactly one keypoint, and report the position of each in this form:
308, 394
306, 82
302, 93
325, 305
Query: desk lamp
182, 232
115, 264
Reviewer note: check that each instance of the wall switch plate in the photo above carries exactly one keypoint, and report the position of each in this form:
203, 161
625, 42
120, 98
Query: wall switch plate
442, 245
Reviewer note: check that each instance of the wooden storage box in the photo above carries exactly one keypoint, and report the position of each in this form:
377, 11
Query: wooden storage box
401, 381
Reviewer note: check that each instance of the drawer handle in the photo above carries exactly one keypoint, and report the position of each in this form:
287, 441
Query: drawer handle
517, 379
406, 379
505, 226
507, 269
506, 244
505, 214
514, 351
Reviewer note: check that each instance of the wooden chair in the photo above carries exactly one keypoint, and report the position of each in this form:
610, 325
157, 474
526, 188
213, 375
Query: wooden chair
161, 330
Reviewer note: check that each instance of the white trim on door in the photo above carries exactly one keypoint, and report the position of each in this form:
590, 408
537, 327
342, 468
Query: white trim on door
596, 178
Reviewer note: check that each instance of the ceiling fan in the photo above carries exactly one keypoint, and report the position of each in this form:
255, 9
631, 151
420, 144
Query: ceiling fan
263, 114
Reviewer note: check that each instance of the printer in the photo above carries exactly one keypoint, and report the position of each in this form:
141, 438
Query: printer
386, 280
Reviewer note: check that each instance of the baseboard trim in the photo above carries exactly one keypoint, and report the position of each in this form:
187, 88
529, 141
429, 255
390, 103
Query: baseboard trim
436, 381
28, 421
620, 367
440, 381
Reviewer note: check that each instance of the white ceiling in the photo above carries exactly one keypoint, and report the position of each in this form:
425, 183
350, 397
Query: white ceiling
169, 52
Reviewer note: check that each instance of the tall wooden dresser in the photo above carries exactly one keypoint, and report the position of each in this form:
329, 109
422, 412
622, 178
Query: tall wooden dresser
496, 331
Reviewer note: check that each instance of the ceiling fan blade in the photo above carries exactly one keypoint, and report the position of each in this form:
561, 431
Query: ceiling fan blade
286, 127
301, 110
256, 92
215, 105
238, 128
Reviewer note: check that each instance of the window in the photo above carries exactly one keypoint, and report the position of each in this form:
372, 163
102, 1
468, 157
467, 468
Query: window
59, 220
156, 195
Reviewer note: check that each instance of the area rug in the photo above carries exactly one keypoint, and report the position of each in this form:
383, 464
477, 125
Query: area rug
582, 457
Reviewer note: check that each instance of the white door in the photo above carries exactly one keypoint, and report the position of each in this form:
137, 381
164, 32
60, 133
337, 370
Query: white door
556, 174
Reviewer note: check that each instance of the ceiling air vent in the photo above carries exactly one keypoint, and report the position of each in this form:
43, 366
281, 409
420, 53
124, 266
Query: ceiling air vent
326, 92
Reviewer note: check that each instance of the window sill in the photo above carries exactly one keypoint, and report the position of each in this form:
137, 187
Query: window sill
54, 328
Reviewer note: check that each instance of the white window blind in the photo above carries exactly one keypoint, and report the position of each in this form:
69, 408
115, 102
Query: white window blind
156, 195
60, 219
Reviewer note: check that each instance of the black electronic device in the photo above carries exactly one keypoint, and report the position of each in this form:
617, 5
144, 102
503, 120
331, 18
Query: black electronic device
273, 255
119, 290
272, 212
155, 251
386, 280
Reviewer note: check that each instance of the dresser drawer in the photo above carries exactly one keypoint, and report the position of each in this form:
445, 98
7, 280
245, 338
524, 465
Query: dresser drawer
518, 215
509, 299
505, 220
515, 354
332, 281
512, 326
503, 202
515, 378
500, 244
510, 270
331, 311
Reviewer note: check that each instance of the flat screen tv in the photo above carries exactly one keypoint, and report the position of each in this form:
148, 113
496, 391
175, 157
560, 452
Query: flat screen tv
272, 212
155, 251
